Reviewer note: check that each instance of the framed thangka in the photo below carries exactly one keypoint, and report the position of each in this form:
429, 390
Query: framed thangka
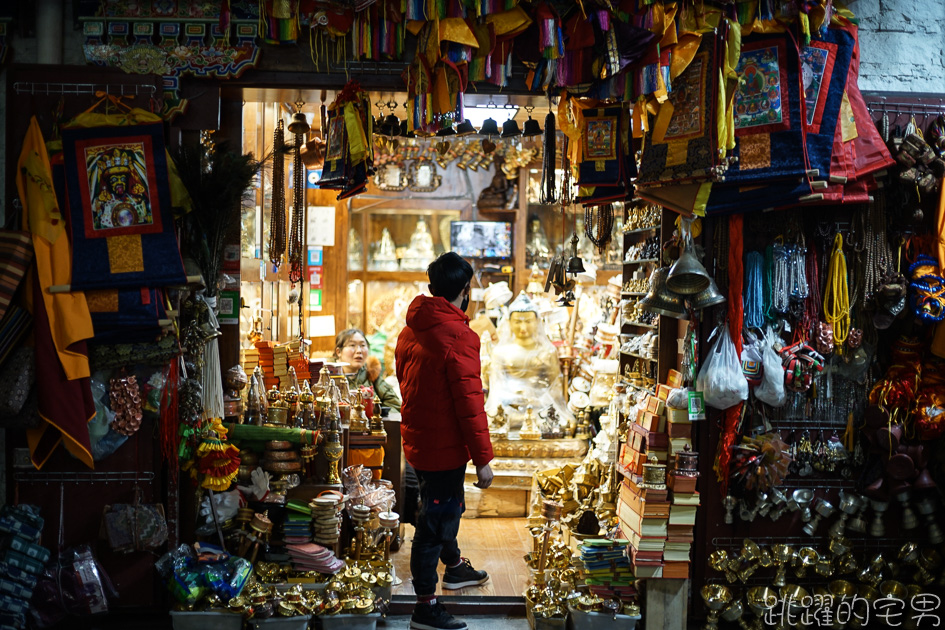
762, 100
118, 194
680, 144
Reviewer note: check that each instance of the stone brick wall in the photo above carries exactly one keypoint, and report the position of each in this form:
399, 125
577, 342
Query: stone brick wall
902, 45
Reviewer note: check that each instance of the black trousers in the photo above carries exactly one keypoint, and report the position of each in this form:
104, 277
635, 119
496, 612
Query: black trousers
442, 503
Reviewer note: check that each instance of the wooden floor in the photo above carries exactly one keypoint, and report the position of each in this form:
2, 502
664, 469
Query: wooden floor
494, 545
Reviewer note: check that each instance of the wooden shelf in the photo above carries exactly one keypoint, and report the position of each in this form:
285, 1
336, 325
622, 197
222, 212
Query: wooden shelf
638, 356
389, 276
652, 228
640, 324
640, 261
633, 293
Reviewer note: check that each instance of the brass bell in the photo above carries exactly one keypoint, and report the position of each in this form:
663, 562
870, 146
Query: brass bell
465, 128
575, 264
390, 127
661, 300
532, 128
489, 127
510, 129
710, 296
687, 276
299, 124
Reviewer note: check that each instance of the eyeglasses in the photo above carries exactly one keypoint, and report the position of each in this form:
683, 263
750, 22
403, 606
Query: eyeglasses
355, 346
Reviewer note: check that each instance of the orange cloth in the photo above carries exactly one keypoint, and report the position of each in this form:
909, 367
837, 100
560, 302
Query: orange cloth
367, 457
69, 317
62, 320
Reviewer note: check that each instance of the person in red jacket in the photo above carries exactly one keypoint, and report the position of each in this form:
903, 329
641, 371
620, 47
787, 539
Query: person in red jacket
444, 425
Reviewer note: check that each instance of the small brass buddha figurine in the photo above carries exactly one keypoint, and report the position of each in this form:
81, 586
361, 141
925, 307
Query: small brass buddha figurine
305, 417
529, 430
498, 423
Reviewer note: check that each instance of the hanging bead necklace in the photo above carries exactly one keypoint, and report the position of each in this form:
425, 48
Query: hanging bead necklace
754, 290
277, 235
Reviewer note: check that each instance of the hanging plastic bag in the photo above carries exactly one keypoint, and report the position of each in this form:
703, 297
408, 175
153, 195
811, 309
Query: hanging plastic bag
721, 379
752, 363
771, 390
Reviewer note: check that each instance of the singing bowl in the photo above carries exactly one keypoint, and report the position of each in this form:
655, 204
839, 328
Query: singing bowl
716, 596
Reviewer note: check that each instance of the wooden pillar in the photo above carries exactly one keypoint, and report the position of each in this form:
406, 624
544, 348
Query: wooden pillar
667, 603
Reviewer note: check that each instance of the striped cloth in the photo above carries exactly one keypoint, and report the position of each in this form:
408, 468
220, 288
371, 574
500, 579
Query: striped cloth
13, 327
16, 253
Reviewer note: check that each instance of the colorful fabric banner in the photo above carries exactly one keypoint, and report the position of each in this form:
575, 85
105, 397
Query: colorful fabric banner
119, 200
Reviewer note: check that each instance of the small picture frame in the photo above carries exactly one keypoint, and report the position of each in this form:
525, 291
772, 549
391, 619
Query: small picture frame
391, 177
422, 176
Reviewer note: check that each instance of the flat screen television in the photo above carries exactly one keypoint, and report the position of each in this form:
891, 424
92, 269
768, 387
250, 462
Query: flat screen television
481, 239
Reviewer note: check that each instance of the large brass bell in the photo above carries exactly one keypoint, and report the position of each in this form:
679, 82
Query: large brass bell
687, 276
660, 299
299, 124
710, 296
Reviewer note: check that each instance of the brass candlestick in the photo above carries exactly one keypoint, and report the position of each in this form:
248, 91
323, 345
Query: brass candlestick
716, 597
551, 513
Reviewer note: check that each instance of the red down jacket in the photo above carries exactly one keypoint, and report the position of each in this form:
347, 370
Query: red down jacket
444, 419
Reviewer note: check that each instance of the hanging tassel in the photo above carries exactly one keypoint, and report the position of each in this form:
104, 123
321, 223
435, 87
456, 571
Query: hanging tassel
549, 194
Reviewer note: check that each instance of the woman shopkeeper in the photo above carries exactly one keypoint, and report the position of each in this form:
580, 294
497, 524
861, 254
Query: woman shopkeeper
351, 347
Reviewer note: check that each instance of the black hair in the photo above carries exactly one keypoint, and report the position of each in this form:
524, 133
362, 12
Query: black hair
342, 338
449, 274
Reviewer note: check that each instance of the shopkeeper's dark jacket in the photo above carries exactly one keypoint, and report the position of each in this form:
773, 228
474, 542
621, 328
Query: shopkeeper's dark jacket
444, 422
384, 391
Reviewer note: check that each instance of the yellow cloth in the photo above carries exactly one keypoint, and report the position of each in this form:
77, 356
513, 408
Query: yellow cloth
69, 318
509, 23
456, 30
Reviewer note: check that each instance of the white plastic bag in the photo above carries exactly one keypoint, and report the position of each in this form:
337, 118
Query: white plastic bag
771, 390
721, 379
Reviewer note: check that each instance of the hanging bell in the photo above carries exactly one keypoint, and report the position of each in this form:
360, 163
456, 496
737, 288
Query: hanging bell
510, 129
575, 264
406, 133
489, 127
299, 124
532, 128
660, 299
446, 131
391, 126
465, 128
687, 276
710, 296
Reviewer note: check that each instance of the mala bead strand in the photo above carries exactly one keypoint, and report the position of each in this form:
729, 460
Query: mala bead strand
836, 293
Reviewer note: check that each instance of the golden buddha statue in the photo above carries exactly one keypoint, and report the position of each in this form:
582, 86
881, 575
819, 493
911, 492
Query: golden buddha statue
524, 368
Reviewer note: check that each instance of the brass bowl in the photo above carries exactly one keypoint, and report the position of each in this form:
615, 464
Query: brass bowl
716, 596
795, 597
734, 611
761, 599
841, 589
894, 589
